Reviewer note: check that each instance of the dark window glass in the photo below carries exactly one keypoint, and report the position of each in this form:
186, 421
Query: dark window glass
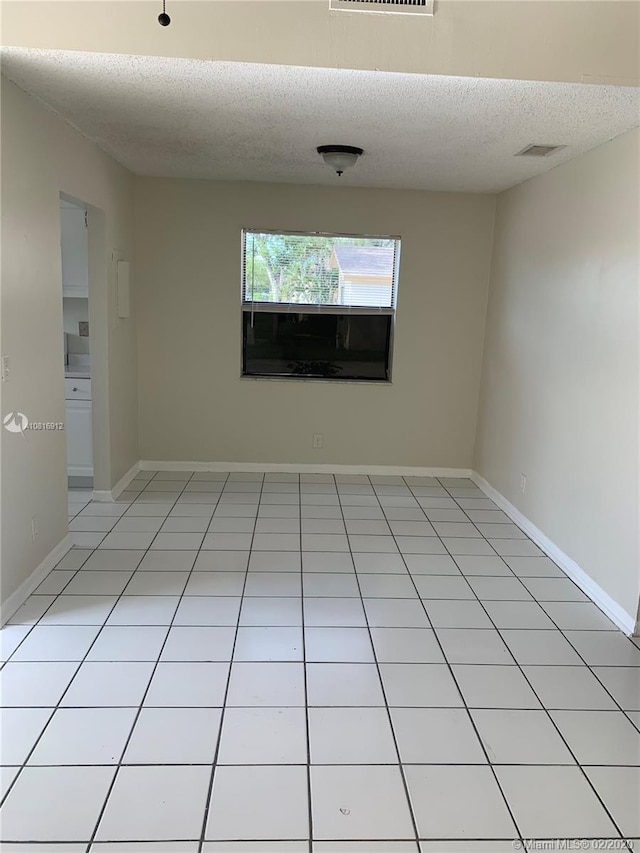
315, 345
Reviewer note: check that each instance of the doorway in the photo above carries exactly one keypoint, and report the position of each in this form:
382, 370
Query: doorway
74, 250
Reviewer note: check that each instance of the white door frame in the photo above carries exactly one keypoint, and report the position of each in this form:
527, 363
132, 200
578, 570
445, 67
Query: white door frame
99, 287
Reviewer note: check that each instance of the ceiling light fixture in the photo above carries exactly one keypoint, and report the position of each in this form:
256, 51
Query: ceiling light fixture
339, 157
163, 19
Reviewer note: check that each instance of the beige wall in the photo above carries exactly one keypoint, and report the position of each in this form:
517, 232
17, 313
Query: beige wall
559, 398
42, 156
193, 404
579, 41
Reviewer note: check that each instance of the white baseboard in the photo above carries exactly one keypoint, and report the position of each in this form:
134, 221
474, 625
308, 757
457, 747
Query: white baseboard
18, 598
310, 468
120, 486
600, 598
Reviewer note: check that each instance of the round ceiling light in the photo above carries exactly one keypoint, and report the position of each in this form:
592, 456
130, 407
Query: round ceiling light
339, 157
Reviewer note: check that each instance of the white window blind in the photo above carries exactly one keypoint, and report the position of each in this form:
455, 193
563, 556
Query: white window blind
327, 273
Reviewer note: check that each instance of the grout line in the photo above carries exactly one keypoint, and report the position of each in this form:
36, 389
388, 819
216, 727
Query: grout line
333, 705
405, 840
552, 721
57, 706
324, 763
368, 598
405, 785
494, 665
142, 699
209, 793
471, 720
304, 673
37, 621
614, 629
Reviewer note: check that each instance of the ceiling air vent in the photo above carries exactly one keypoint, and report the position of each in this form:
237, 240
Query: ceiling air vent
402, 7
539, 150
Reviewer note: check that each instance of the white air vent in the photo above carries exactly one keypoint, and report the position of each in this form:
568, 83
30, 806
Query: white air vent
539, 150
401, 7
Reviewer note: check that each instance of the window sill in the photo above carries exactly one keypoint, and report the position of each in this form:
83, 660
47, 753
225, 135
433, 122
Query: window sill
314, 380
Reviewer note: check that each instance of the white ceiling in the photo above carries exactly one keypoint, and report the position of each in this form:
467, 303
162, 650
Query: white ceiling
238, 121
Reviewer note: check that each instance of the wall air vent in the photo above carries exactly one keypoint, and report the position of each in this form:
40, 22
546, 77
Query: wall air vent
402, 7
539, 150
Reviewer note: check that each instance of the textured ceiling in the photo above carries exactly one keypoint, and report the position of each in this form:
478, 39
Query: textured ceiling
237, 121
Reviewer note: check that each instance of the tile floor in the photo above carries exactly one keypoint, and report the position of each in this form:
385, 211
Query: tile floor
242, 663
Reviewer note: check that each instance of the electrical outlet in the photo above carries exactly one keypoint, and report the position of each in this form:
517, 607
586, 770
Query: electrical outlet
5, 368
523, 483
34, 528
317, 441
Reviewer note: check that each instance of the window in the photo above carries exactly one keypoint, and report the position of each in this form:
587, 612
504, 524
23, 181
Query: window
318, 306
